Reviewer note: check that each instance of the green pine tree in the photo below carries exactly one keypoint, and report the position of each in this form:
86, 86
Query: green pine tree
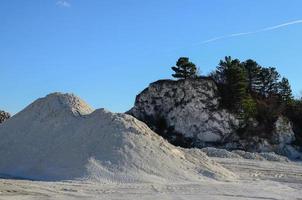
249, 107
269, 78
285, 91
237, 85
253, 71
231, 77
184, 69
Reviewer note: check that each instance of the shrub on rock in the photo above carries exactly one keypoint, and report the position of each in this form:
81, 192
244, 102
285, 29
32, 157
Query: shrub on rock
4, 116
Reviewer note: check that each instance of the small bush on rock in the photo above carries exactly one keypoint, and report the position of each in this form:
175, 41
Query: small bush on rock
4, 116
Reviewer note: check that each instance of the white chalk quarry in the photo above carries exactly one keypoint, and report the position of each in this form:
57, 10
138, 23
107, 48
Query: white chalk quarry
60, 137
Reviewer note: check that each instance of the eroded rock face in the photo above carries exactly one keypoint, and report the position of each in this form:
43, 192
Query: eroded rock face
283, 133
283, 138
189, 108
280, 141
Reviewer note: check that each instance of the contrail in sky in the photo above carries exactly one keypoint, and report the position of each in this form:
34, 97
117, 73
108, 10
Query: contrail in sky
250, 32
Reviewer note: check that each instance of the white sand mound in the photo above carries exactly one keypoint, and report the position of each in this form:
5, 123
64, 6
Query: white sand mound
60, 137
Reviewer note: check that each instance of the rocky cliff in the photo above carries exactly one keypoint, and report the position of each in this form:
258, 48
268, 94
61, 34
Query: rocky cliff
185, 108
188, 113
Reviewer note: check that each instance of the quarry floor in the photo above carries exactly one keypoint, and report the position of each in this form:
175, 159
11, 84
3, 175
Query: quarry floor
258, 180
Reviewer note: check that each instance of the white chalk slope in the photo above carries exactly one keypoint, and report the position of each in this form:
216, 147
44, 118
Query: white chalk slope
60, 137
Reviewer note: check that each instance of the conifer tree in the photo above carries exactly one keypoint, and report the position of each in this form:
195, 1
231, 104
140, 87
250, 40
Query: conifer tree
184, 69
249, 107
269, 78
285, 91
219, 75
231, 77
237, 85
253, 71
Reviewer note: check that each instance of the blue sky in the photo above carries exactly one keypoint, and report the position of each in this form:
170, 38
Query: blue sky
107, 51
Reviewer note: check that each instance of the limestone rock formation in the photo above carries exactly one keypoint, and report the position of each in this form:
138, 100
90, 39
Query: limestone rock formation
188, 108
283, 133
283, 138
188, 114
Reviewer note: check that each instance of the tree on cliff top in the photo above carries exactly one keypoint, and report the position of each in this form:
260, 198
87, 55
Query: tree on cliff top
253, 69
269, 78
231, 78
184, 69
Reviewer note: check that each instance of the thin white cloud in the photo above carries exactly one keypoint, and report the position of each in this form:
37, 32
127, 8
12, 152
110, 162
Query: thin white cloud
63, 3
270, 28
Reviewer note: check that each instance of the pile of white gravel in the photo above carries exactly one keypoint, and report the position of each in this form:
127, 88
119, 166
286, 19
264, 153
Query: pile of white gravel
239, 154
60, 137
271, 156
219, 153
248, 155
